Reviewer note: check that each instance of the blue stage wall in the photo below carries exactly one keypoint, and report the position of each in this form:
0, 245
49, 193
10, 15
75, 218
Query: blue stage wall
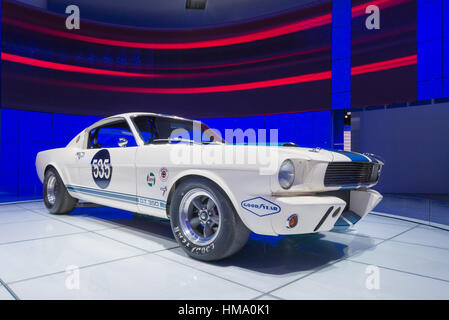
22, 135
307, 129
341, 54
413, 142
433, 49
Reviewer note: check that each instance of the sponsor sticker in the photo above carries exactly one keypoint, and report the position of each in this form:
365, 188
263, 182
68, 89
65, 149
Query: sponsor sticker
260, 206
163, 173
102, 168
164, 190
151, 179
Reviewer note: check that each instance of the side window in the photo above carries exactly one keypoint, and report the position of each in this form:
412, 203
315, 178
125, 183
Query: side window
109, 136
146, 127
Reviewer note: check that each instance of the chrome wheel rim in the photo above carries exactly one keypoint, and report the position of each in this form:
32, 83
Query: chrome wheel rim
51, 190
200, 216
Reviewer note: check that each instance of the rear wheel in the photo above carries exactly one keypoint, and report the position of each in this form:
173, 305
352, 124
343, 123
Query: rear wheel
204, 221
56, 198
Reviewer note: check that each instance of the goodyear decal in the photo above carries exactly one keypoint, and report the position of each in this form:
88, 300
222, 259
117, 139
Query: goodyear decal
260, 206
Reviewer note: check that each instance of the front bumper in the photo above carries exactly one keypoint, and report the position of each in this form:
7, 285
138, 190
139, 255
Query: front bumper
321, 213
361, 203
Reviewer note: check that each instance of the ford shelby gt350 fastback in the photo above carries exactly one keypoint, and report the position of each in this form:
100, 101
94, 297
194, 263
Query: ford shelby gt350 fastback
214, 193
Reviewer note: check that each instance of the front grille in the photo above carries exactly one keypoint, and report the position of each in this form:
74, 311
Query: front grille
351, 173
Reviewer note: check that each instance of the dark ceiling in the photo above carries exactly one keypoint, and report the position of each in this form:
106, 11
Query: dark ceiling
172, 13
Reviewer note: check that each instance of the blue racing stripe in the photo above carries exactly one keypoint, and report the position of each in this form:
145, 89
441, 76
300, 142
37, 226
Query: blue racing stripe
104, 193
354, 156
124, 197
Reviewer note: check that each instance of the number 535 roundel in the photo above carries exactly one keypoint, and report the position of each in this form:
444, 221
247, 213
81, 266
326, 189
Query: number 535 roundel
101, 168
213, 192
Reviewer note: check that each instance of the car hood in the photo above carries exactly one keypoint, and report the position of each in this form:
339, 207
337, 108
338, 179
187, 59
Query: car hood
315, 154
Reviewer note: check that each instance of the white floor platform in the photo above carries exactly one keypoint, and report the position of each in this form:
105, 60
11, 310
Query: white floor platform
102, 253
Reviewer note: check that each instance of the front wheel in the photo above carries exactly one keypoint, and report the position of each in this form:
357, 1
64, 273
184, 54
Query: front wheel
56, 198
204, 221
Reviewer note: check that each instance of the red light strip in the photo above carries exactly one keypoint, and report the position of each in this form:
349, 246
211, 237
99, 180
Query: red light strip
67, 67
213, 89
275, 32
384, 65
378, 66
266, 34
383, 4
71, 68
372, 67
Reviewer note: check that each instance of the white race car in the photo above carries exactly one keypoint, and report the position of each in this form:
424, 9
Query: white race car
213, 192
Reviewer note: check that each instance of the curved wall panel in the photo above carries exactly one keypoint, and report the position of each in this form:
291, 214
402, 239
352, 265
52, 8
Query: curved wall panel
279, 65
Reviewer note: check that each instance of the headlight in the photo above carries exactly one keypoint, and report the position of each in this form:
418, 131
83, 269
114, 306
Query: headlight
286, 174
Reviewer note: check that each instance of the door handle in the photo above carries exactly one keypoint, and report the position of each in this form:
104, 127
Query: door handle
79, 155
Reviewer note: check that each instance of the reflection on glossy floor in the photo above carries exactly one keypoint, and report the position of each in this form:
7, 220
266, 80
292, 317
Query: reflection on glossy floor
103, 253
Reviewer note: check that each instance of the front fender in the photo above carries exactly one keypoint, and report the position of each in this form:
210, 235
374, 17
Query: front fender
209, 175
239, 186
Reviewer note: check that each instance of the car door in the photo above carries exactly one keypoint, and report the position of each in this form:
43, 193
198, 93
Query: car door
153, 179
152, 173
107, 171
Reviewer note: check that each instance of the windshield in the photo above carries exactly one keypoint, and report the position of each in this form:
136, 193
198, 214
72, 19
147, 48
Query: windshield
168, 130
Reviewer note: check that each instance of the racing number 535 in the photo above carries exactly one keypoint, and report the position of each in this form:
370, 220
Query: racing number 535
101, 168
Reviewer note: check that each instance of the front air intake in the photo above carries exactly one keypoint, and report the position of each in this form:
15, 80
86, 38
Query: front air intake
351, 173
323, 218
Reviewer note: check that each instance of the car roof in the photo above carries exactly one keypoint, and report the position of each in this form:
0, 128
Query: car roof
130, 114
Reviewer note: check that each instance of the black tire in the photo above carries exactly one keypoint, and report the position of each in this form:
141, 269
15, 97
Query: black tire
62, 202
229, 237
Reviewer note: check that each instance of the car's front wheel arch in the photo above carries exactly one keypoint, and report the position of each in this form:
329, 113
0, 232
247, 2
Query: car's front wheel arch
197, 176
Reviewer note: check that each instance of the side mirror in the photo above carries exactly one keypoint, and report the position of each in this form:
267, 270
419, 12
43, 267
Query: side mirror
122, 142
